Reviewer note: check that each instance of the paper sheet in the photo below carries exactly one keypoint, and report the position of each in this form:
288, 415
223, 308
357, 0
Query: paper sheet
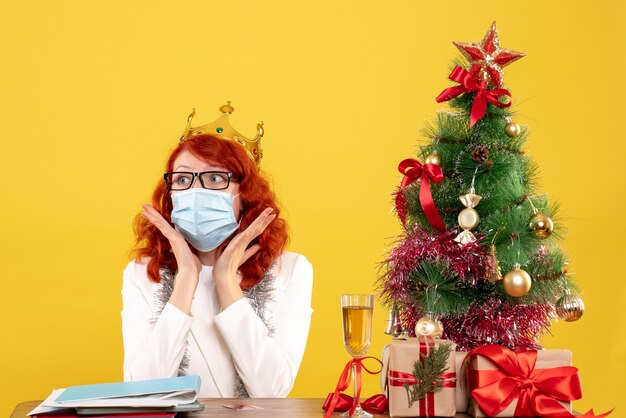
43, 409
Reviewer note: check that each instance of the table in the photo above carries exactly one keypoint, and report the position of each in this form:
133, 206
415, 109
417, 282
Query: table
288, 407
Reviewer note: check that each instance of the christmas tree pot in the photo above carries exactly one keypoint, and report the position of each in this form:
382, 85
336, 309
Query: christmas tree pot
529, 377
421, 378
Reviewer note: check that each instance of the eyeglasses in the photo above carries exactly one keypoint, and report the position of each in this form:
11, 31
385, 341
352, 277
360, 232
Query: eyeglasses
212, 180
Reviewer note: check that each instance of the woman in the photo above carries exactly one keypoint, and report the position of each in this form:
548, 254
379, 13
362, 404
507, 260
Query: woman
211, 291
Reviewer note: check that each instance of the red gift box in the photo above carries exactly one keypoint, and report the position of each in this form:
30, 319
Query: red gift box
503, 383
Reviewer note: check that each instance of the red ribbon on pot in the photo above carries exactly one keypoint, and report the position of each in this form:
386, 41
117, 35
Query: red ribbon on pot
468, 84
344, 382
538, 391
412, 170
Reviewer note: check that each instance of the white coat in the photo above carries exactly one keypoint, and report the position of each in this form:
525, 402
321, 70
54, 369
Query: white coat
218, 343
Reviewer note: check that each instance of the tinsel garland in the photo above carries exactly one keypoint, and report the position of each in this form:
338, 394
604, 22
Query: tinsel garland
470, 263
489, 320
496, 322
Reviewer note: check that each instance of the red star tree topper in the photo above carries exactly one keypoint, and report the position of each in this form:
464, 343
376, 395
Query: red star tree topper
487, 58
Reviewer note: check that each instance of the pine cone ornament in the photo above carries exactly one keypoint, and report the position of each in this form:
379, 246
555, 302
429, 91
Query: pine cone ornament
480, 154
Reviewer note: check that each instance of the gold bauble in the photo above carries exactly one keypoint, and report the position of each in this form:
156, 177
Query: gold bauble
428, 327
512, 129
541, 225
468, 218
433, 159
516, 282
570, 308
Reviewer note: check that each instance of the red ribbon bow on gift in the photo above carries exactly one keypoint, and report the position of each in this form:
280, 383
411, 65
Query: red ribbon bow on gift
412, 170
344, 382
376, 404
468, 83
538, 390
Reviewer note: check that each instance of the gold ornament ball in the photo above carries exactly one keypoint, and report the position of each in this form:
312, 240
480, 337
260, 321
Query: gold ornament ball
541, 225
468, 218
428, 327
433, 159
512, 129
570, 308
516, 283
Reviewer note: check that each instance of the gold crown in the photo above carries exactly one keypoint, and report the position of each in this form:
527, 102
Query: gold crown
223, 129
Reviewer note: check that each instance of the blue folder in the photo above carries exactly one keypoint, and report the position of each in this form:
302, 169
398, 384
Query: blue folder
172, 385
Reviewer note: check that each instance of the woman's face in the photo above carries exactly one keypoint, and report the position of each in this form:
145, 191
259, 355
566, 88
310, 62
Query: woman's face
186, 161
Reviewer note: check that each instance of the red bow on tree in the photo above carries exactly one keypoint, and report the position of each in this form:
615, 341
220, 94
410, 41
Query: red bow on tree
538, 391
412, 170
468, 83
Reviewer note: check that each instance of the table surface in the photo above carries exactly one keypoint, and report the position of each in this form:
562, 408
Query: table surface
288, 407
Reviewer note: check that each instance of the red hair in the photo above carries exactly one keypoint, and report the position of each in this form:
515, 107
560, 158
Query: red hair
255, 195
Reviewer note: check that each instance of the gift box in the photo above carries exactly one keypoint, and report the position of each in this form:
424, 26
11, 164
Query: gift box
503, 383
400, 357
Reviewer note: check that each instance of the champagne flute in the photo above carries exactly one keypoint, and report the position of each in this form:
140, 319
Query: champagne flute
357, 312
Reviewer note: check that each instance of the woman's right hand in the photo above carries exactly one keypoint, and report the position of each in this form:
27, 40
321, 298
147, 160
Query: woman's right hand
189, 264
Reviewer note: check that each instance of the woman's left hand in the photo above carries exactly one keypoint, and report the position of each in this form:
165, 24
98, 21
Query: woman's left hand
234, 255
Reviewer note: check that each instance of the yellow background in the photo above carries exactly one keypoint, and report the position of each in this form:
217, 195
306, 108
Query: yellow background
93, 96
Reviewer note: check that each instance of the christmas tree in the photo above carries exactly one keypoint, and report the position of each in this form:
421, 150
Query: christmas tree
478, 261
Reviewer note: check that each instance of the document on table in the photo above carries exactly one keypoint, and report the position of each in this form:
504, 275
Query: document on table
166, 392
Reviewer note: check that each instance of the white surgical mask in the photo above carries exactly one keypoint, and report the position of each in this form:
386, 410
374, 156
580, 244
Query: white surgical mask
204, 217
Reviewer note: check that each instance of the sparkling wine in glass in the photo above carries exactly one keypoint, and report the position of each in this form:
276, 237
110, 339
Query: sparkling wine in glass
357, 312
